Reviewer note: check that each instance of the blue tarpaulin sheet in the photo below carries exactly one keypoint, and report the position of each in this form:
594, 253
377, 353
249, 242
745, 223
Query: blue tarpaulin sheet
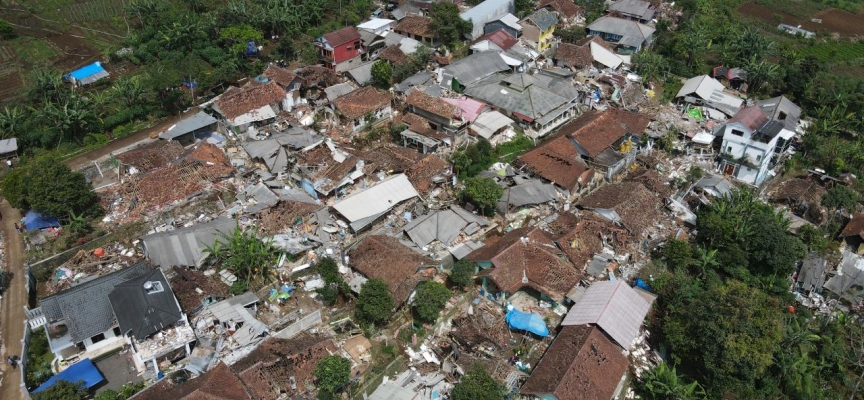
83, 370
34, 220
86, 71
527, 322
642, 285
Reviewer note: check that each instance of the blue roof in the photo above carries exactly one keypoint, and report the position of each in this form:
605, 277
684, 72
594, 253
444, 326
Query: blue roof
83, 370
35, 220
86, 71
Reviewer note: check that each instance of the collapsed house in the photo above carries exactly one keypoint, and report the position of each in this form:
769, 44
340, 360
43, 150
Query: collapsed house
185, 246
363, 208
629, 204
385, 258
254, 104
217, 383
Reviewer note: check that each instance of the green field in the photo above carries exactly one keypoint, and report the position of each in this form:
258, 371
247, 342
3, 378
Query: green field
833, 52
32, 51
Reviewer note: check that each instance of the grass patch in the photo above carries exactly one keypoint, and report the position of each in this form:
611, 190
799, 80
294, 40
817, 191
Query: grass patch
833, 52
33, 51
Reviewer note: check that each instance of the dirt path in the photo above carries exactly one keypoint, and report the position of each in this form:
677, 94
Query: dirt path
84, 160
12, 304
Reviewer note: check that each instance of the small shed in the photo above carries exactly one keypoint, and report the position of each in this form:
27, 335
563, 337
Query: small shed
8, 148
87, 74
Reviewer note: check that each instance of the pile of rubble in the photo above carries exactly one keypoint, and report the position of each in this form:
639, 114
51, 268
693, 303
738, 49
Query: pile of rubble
89, 264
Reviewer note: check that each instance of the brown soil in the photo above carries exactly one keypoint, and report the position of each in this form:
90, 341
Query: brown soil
833, 20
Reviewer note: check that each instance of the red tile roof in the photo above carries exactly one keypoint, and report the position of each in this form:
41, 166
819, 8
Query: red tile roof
431, 104
564, 7
855, 227
415, 25
578, 55
596, 130
501, 39
581, 363
580, 237
280, 368
361, 101
347, 34
752, 117
279, 75
636, 206
217, 384
316, 75
236, 102
421, 173
527, 252
557, 161
383, 257
393, 54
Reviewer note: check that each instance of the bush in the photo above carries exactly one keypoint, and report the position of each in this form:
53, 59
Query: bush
375, 304
332, 373
430, 300
462, 273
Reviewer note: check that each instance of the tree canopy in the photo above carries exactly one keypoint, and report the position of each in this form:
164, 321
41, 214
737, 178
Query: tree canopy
430, 299
477, 384
50, 187
62, 390
482, 192
447, 23
462, 273
382, 72
245, 255
375, 304
332, 373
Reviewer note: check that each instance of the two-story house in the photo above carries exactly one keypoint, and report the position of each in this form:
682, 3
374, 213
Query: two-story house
754, 142
539, 27
442, 116
340, 50
289, 81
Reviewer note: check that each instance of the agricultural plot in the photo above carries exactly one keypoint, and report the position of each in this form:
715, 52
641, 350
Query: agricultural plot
835, 52
832, 20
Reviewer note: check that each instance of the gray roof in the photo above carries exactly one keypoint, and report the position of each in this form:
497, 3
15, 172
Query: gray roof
614, 307
523, 94
185, 246
272, 150
186, 125
364, 207
338, 90
417, 79
463, 249
143, 311
532, 192
443, 226
234, 309
770, 129
637, 8
263, 196
8, 145
622, 27
812, 274
474, 68
85, 307
543, 18
363, 73
486, 12
716, 185
779, 106
849, 281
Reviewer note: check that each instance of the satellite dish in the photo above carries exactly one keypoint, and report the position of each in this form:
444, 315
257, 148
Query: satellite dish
148, 285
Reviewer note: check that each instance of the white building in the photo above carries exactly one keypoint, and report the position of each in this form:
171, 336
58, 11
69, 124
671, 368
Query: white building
755, 139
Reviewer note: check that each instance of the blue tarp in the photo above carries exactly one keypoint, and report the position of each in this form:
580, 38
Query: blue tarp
83, 370
642, 285
527, 322
86, 71
34, 221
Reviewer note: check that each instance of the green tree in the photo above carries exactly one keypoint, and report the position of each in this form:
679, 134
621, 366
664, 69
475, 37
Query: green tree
462, 273
54, 189
15, 189
245, 255
235, 37
482, 192
375, 304
650, 65
334, 284
677, 254
382, 72
664, 383
477, 384
332, 373
447, 23
6, 30
761, 73
840, 198
109, 394
63, 390
430, 300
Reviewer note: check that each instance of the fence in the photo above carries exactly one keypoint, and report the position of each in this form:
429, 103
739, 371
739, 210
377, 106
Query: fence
23, 362
300, 326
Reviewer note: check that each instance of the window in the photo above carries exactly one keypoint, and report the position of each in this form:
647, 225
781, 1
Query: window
759, 158
782, 116
737, 132
117, 331
729, 149
98, 338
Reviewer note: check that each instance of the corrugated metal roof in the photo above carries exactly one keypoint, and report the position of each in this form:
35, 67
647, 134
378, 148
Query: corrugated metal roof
613, 306
376, 200
532, 192
187, 125
233, 310
185, 246
444, 226
8, 145
363, 73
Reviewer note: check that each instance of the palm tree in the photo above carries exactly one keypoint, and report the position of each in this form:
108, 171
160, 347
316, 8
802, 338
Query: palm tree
705, 260
11, 122
128, 90
47, 85
760, 73
244, 254
73, 119
664, 383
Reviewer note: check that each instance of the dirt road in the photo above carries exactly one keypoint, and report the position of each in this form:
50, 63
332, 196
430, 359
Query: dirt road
13, 302
84, 160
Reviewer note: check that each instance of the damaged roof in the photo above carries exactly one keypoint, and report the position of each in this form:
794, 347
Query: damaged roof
581, 237
613, 306
220, 383
444, 226
527, 252
433, 105
855, 226
393, 54
527, 193
580, 364
556, 160
415, 25
628, 203
596, 130
316, 75
542, 19
279, 75
362, 101
185, 246
363, 207
152, 155
535, 97
283, 367
385, 258
426, 172
564, 7
238, 101
797, 190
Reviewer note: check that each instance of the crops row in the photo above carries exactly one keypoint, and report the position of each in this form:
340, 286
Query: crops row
833, 52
